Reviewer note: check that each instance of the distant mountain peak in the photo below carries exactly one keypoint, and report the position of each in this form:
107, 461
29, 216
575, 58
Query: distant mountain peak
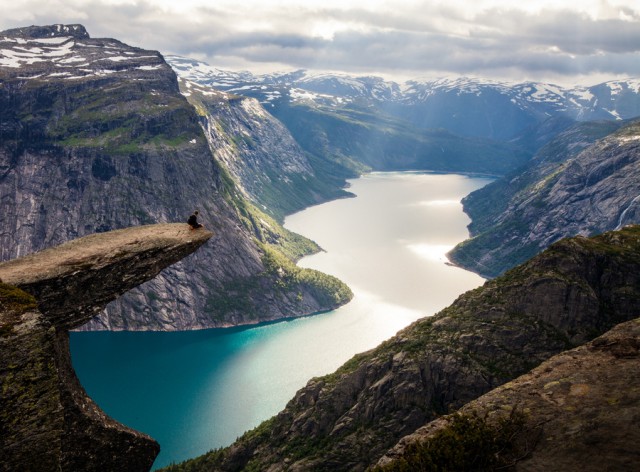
464, 105
49, 31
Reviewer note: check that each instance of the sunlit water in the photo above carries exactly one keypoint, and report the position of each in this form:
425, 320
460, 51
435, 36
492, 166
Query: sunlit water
194, 391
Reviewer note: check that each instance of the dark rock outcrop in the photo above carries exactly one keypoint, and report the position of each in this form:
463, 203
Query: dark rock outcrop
577, 289
580, 409
586, 181
47, 422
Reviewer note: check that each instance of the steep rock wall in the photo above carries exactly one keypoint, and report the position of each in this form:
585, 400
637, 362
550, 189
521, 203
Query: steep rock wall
95, 136
586, 181
47, 422
268, 165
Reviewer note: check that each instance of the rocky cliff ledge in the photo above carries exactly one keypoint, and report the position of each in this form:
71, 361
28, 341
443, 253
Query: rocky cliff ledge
81, 118
47, 422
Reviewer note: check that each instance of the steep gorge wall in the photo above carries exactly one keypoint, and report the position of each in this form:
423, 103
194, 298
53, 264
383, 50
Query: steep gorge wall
585, 181
95, 136
271, 169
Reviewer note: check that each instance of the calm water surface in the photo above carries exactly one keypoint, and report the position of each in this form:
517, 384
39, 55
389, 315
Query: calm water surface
194, 391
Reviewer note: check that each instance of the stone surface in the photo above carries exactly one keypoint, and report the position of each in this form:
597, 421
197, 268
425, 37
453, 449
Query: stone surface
47, 422
582, 408
75, 281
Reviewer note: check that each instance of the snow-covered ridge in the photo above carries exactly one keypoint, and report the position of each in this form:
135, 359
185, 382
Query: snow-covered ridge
67, 51
599, 101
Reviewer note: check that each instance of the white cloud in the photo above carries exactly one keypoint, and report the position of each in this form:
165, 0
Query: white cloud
538, 39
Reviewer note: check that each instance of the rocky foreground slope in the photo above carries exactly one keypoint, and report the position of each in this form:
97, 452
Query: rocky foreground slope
47, 422
585, 181
577, 411
574, 291
94, 136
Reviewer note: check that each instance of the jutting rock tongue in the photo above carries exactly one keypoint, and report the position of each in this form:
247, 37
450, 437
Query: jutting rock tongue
48, 421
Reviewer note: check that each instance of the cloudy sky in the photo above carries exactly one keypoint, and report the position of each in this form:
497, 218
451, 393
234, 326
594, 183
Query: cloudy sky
560, 41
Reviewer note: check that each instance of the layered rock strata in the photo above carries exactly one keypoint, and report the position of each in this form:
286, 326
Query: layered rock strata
47, 422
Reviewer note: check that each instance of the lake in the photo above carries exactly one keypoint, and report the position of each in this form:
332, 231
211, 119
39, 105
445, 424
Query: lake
199, 390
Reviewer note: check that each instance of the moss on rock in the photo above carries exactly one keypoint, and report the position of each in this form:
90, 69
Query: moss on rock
14, 300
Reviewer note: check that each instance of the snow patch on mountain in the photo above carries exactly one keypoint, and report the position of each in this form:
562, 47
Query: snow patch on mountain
67, 51
601, 101
16, 57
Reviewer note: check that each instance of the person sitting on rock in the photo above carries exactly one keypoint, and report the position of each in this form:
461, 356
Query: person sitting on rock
193, 221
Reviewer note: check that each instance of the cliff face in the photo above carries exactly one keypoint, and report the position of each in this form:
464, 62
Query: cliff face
585, 181
48, 423
579, 412
269, 166
572, 292
95, 136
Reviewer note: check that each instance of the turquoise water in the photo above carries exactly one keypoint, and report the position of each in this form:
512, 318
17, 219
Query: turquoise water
194, 391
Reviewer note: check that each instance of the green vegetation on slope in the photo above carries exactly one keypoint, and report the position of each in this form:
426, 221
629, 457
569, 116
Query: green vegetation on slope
13, 303
287, 281
265, 229
280, 249
122, 122
467, 443
14, 300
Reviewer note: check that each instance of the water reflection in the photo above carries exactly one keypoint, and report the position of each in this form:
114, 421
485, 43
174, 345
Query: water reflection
432, 252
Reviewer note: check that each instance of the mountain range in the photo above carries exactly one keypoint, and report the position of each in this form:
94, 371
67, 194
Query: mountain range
96, 135
107, 117
561, 168
465, 106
